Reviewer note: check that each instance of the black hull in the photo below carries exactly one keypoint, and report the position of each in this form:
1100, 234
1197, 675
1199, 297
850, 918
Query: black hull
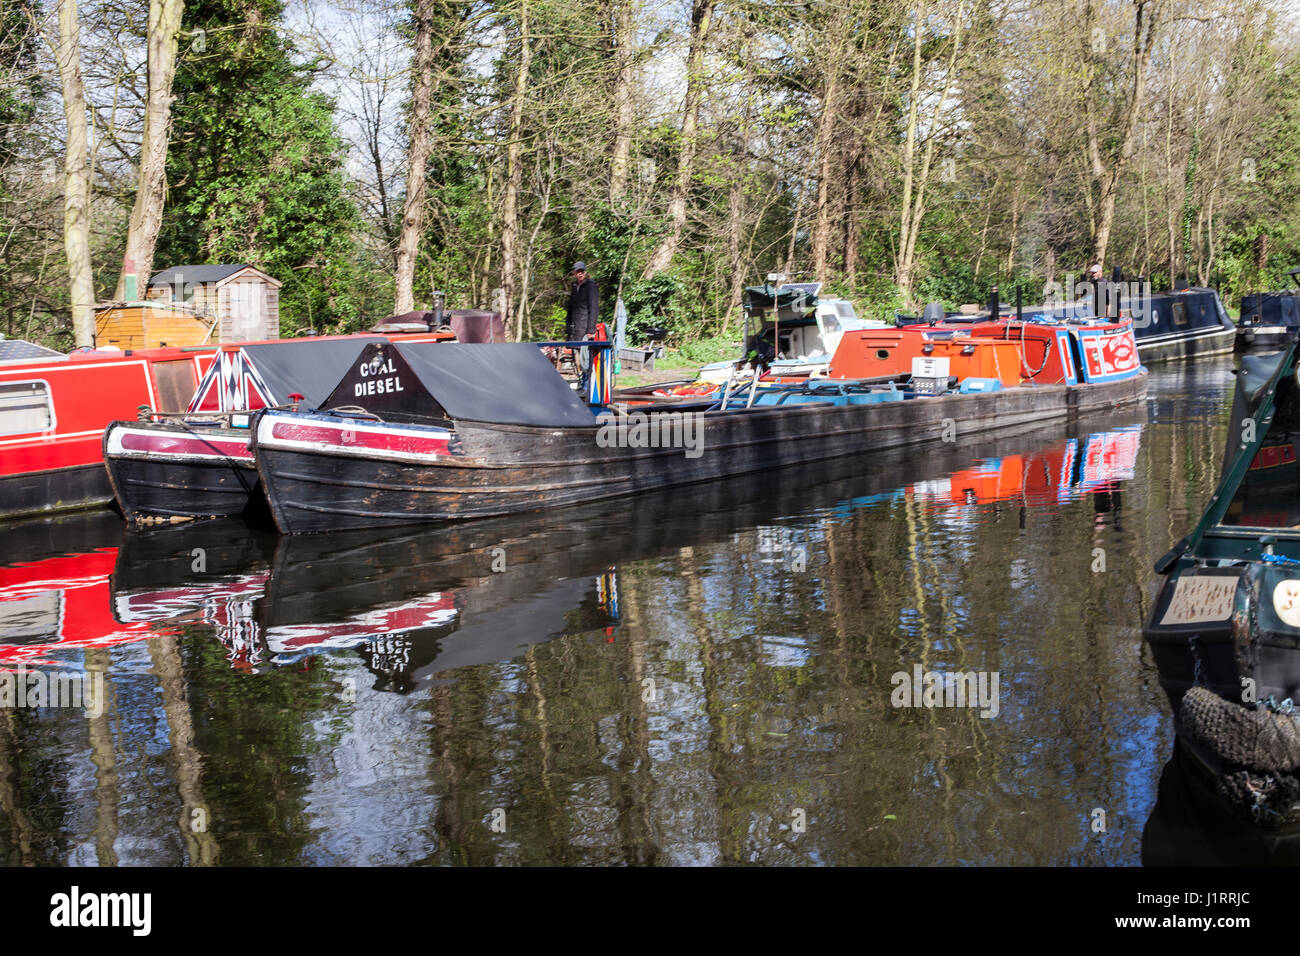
165, 470
186, 489
508, 469
1216, 341
49, 492
1265, 339
1191, 825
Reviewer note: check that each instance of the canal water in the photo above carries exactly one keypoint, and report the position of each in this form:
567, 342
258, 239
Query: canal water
753, 671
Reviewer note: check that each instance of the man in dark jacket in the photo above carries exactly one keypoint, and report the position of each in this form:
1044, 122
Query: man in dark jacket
584, 305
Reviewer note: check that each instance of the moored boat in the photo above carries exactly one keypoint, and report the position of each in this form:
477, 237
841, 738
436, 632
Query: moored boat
1225, 626
792, 329
1182, 323
1269, 320
461, 431
54, 408
1011, 352
197, 464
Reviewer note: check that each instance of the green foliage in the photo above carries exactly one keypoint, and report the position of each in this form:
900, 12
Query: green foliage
661, 301
256, 171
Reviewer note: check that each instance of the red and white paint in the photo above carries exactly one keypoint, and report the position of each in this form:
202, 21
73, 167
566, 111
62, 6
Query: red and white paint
177, 442
368, 439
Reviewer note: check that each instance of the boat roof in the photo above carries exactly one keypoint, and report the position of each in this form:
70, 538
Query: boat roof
503, 383
13, 351
308, 368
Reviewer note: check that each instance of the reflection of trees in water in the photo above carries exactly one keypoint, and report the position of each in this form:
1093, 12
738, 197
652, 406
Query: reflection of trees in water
100, 732
736, 736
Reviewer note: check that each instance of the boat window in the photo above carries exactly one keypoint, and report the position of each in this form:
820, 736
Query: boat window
845, 309
25, 408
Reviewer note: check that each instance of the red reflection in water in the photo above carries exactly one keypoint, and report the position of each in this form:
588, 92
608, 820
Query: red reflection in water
60, 603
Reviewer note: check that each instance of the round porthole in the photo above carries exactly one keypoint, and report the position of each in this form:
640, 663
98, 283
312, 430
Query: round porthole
882, 354
1286, 602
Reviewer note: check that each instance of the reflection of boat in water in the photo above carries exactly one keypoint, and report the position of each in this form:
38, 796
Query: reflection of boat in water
429, 601
1225, 625
1190, 825
57, 597
1092, 464
210, 575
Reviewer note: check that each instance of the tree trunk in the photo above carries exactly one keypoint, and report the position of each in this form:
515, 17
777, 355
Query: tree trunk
620, 42
701, 22
146, 216
852, 226
821, 233
514, 180
903, 269
1106, 180
76, 178
914, 206
417, 155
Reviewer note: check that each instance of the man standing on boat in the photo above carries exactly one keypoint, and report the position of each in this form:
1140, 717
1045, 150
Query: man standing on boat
584, 305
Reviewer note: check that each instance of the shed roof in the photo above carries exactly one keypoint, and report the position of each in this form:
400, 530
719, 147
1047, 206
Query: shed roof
205, 274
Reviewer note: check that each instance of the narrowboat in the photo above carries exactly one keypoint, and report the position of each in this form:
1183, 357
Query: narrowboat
197, 464
466, 431
1269, 320
1183, 323
1225, 625
1037, 350
54, 408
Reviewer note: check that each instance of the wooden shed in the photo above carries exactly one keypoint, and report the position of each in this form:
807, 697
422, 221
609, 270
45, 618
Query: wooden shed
245, 301
143, 325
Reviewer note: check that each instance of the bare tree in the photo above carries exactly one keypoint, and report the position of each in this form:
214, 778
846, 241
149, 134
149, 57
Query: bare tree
514, 179
76, 177
916, 180
701, 22
1107, 170
417, 154
146, 216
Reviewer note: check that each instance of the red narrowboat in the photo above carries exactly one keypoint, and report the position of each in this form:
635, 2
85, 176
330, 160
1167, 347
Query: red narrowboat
53, 410
1010, 351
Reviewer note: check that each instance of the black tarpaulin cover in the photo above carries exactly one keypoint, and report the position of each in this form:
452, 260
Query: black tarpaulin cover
503, 383
310, 369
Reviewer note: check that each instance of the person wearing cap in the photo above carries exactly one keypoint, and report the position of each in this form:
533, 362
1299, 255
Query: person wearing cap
584, 305
1086, 284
